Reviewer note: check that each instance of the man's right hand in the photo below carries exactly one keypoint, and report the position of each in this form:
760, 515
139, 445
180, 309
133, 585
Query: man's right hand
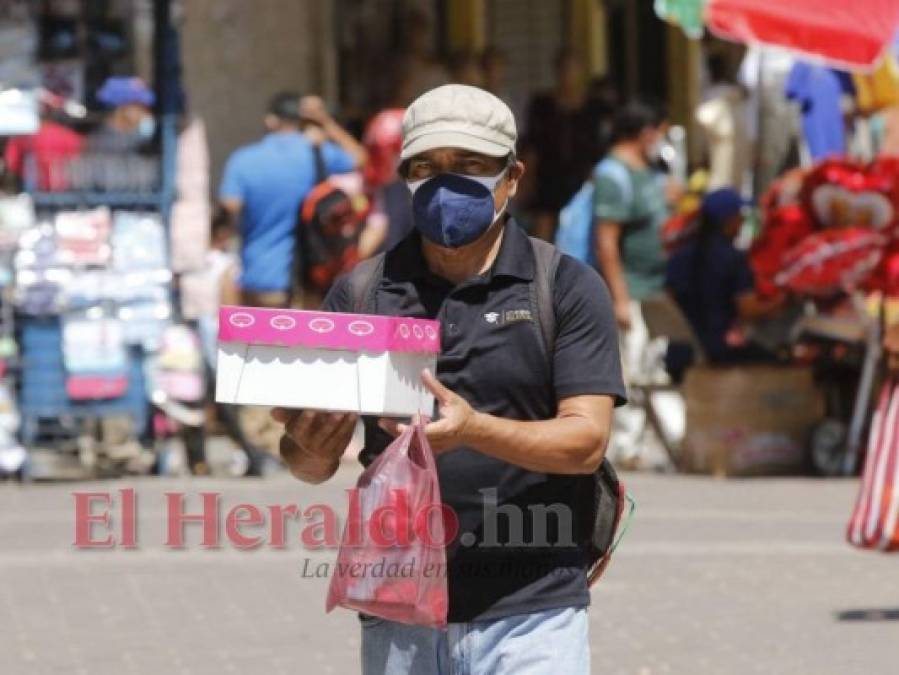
623, 315
313, 442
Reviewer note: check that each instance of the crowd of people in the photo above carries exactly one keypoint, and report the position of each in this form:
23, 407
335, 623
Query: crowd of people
309, 199
57, 157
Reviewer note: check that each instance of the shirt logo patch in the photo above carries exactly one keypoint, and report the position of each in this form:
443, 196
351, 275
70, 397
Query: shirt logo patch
513, 315
508, 316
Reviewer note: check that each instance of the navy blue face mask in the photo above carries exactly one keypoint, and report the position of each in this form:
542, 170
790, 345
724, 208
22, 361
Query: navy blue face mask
452, 210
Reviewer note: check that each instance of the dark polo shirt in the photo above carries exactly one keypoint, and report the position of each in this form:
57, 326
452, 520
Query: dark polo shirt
516, 551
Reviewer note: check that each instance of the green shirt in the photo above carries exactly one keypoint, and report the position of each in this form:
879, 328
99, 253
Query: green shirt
634, 198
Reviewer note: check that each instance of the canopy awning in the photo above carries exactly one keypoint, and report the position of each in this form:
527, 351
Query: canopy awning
848, 33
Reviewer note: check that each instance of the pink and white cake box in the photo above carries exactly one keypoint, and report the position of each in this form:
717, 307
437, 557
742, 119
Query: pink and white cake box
325, 361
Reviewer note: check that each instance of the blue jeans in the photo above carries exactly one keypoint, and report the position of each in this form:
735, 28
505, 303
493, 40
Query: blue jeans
549, 642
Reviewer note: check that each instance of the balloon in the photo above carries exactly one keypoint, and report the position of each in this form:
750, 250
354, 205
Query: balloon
838, 193
825, 263
784, 229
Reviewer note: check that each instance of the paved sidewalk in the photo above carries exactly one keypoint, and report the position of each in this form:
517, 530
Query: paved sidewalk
714, 577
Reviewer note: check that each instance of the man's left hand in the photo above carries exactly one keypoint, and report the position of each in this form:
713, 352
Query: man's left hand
457, 418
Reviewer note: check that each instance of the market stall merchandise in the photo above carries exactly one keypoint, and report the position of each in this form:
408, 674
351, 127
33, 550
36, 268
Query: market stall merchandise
86, 239
93, 295
829, 237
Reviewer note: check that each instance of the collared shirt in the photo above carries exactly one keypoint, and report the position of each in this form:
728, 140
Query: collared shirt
271, 178
492, 356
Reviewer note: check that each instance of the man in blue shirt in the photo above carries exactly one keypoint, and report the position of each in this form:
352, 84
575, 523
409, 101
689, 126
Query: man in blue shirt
265, 182
713, 284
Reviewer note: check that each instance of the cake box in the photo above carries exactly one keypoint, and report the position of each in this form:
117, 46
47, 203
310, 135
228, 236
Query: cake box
325, 361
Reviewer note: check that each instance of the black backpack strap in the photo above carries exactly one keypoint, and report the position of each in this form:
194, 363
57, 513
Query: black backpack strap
606, 496
321, 171
546, 263
363, 282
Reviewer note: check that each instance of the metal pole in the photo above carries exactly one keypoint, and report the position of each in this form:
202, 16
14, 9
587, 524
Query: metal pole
757, 186
167, 116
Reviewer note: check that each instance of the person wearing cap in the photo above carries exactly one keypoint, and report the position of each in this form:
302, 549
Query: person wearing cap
521, 426
265, 182
712, 282
129, 125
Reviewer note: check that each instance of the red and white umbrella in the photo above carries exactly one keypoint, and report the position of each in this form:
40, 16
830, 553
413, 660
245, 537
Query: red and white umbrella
852, 34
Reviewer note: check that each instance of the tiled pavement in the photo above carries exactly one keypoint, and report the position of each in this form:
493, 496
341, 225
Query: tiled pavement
714, 577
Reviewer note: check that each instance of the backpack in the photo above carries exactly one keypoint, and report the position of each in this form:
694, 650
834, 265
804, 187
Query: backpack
328, 232
608, 496
575, 234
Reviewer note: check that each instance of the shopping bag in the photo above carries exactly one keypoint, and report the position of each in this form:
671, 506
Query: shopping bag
875, 520
392, 558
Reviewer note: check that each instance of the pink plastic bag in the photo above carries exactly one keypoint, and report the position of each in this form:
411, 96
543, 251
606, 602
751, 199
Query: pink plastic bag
392, 558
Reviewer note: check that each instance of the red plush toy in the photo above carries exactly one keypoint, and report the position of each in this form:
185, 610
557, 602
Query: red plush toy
829, 262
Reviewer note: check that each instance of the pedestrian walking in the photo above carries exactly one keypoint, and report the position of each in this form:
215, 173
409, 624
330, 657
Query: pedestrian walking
630, 207
524, 411
264, 184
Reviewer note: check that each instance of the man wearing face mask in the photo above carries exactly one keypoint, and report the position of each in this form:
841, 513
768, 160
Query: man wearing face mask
630, 207
523, 418
129, 125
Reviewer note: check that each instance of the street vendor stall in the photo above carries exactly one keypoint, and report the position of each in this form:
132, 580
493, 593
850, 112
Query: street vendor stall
88, 256
827, 232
